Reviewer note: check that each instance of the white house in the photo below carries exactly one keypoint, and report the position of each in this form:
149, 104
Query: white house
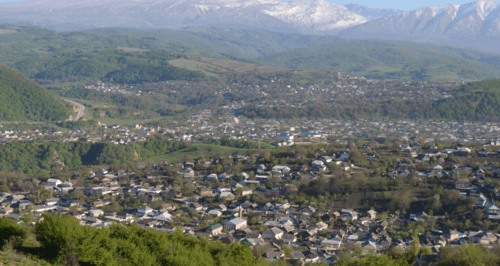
53, 182
280, 169
273, 233
144, 210
95, 212
333, 242
492, 210
235, 224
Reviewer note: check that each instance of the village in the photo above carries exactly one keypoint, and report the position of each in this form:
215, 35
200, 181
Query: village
277, 131
304, 190
254, 205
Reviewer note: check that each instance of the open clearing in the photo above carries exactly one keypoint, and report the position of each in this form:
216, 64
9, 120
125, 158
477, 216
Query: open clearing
196, 151
216, 66
131, 50
4, 31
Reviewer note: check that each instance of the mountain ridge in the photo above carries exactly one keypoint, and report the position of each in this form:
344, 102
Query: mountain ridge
372, 12
472, 25
293, 16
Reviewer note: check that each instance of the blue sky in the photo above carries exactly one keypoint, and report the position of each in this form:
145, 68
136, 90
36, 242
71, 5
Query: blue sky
400, 4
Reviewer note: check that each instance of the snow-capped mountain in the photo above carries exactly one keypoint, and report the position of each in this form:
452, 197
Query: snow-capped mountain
473, 25
295, 16
372, 12
475, 18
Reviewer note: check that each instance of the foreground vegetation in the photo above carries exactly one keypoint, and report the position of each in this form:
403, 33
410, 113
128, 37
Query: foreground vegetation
60, 240
63, 241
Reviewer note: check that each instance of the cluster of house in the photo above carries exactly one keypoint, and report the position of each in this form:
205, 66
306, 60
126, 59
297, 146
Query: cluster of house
274, 225
103, 87
341, 87
203, 126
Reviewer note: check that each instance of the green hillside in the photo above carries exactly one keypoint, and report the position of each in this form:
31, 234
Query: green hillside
22, 99
477, 101
240, 43
117, 65
391, 60
370, 58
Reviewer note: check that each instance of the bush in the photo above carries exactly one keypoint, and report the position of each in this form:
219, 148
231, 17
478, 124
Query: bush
9, 230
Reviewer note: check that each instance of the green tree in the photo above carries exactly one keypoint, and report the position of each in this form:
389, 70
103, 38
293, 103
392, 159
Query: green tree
9, 229
467, 255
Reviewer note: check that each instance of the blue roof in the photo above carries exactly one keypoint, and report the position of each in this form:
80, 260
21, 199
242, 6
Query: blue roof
236, 221
215, 226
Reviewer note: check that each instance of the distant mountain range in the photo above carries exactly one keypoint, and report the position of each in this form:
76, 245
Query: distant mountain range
472, 25
371, 12
294, 16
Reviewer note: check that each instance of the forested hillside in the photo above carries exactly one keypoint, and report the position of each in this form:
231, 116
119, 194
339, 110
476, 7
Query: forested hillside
370, 58
23, 100
477, 101
34, 158
116, 65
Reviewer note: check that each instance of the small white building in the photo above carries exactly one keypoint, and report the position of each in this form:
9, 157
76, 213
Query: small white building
144, 210
53, 182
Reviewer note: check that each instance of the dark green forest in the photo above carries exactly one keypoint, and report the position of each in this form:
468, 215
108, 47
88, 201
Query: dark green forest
23, 100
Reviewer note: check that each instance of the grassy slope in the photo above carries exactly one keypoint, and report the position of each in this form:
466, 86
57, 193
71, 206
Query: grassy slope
11, 257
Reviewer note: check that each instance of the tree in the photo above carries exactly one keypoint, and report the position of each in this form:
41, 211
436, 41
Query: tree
357, 157
373, 260
55, 232
467, 255
78, 194
9, 229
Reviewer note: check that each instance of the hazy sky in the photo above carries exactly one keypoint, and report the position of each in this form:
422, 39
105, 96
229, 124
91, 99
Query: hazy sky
398, 4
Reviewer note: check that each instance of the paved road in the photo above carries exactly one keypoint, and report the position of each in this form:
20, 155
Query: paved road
80, 113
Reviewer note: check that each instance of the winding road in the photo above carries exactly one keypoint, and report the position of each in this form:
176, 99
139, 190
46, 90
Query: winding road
80, 113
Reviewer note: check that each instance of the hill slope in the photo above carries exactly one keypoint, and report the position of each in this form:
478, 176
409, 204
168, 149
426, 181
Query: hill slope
22, 99
391, 60
477, 101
